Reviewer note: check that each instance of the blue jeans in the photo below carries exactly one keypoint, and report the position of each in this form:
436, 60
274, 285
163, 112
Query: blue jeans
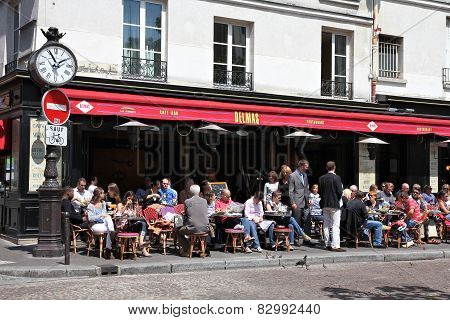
295, 228
376, 227
250, 228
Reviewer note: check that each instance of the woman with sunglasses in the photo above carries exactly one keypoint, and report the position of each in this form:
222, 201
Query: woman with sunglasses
128, 208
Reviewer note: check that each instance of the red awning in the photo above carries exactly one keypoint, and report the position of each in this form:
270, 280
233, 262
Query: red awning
149, 107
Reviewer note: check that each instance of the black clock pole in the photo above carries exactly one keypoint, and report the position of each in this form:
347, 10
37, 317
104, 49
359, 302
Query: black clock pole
50, 194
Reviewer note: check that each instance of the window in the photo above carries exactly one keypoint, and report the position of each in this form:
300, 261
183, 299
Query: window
143, 40
335, 65
446, 69
16, 32
231, 56
390, 57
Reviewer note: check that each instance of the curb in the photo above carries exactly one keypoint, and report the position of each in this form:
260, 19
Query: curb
208, 265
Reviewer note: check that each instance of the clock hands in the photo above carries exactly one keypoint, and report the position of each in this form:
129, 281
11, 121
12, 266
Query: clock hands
53, 57
59, 63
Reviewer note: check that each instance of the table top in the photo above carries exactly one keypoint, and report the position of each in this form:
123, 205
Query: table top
277, 214
228, 215
387, 213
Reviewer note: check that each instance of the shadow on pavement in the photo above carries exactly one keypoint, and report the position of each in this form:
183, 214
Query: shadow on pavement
388, 292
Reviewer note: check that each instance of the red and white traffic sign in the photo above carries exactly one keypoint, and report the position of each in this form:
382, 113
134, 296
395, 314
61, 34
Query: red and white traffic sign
56, 107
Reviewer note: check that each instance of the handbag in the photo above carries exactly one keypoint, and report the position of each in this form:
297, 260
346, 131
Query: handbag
177, 221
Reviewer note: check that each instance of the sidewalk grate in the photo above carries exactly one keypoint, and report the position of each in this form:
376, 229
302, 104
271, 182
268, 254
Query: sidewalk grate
109, 270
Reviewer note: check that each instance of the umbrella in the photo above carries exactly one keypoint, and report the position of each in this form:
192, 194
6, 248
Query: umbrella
136, 124
212, 128
373, 141
301, 133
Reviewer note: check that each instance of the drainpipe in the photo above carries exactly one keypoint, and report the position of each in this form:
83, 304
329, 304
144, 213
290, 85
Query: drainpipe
375, 33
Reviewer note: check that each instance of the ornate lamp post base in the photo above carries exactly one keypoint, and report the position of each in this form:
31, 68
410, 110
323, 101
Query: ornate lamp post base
49, 242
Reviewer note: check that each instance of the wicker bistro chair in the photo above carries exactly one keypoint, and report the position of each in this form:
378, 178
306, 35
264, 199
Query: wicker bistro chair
179, 209
159, 228
282, 233
125, 240
236, 234
76, 231
199, 238
353, 232
91, 241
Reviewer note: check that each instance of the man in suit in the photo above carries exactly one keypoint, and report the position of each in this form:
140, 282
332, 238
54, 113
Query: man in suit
330, 189
299, 196
195, 217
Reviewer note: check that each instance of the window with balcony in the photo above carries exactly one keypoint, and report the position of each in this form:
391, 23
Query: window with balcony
143, 40
12, 64
231, 57
390, 57
335, 65
446, 69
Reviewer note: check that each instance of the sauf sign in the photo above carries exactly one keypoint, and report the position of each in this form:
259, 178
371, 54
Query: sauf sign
55, 135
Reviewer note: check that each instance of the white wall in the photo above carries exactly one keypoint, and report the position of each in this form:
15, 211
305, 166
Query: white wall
424, 41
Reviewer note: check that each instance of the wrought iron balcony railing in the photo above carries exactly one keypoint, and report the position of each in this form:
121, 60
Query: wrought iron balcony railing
10, 67
446, 77
144, 69
235, 80
336, 89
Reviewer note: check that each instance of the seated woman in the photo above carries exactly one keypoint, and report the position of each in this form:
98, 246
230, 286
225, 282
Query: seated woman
442, 204
372, 203
254, 215
128, 208
276, 205
101, 221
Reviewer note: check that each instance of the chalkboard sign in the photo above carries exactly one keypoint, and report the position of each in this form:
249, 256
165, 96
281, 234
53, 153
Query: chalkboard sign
217, 188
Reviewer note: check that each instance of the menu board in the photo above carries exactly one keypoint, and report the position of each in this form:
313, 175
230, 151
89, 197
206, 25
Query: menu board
217, 188
37, 155
366, 168
434, 166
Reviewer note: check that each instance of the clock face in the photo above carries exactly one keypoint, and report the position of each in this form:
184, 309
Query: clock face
55, 65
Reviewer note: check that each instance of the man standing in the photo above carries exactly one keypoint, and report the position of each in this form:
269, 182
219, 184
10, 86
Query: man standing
195, 217
299, 196
330, 188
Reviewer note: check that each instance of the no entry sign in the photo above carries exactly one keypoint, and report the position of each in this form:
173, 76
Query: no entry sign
56, 107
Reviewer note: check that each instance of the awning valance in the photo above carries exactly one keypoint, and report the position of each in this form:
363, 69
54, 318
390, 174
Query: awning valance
98, 103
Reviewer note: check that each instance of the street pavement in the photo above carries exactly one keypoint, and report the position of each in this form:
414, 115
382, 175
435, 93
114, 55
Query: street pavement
377, 280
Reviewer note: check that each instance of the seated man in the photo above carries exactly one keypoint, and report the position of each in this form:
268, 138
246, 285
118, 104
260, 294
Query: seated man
75, 218
358, 208
427, 196
195, 218
276, 205
168, 195
222, 206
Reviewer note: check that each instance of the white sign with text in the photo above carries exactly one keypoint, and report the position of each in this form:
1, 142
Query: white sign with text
55, 135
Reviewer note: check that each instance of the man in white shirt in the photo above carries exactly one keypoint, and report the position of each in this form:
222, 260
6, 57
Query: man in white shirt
81, 196
254, 214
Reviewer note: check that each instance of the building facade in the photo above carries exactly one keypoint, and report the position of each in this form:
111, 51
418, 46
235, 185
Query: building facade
339, 69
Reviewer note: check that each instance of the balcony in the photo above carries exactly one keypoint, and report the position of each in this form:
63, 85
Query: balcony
335, 89
144, 69
446, 77
233, 80
10, 67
